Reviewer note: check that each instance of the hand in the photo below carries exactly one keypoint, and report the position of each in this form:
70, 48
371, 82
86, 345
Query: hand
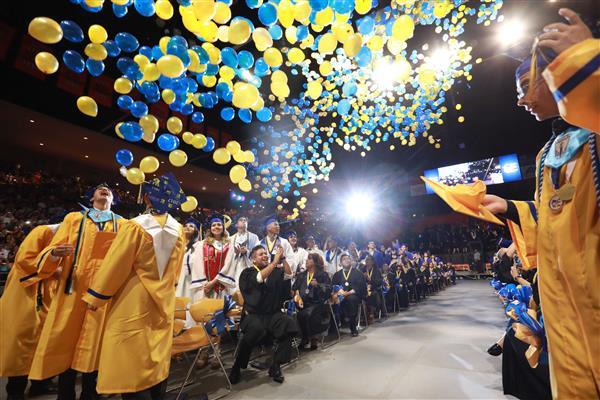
63, 250
243, 250
279, 254
91, 307
208, 287
300, 303
514, 272
495, 204
560, 36
57, 273
313, 282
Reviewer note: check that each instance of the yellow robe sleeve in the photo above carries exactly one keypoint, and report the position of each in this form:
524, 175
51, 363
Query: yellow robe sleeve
46, 264
574, 79
116, 267
25, 259
524, 232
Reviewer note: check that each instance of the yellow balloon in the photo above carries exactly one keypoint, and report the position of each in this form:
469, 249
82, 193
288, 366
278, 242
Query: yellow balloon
222, 13
227, 73
239, 32
353, 44
314, 89
326, 68
395, 46
237, 173
375, 43
170, 66
178, 158
187, 137
302, 10
245, 185
403, 69
190, 204
295, 55
291, 34
97, 34
260, 103
168, 96
46, 62
223, 33
221, 156
88, 106
240, 157
141, 60
273, 57
209, 80
324, 17
245, 95
149, 164
148, 137
95, 51
199, 141
151, 72
214, 54
149, 124
363, 6
279, 76
285, 13
403, 28
46, 30
204, 10
233, 147
135, 176
327, 44
163, 42
342, 31
174, 125
262, 39
249, 156
209, 31
280, 89
123, 85
164, 9
118, 130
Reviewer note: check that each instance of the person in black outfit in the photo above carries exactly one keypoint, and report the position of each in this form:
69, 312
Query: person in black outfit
263, 287
400, 279
353, 289
374, 280
311, 289
411, 281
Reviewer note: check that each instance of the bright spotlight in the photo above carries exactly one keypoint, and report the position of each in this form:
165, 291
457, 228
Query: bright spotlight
359, 206
511, 32
384, 74
441, 59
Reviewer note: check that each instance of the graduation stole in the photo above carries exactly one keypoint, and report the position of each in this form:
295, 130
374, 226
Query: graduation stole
265, 243
211, 254
330, 255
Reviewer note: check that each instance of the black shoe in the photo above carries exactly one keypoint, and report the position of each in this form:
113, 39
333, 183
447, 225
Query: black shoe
13, 397
354, 333
235, 375
495, 350
275, 373
40, 390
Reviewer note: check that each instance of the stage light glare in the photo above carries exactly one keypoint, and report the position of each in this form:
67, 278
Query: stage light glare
441, 59
511, 32
359, 206
384, 74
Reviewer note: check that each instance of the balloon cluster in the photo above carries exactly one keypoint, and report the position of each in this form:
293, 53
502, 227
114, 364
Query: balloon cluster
360, 81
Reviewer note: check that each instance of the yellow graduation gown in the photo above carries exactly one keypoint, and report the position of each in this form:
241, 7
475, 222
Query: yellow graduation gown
567, 247
138, 275
21, 317
71, 335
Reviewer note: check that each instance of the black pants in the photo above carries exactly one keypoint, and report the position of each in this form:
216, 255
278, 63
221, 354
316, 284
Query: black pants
313, 319
156, 392
66, 385
256, 327
16, 385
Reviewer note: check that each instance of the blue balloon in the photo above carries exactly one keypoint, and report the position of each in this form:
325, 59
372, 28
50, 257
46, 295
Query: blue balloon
276, 32
267, 14
127, 66
252, 3
343, 107
198, 117
139, 109
156, 52
210, 145
111, 48
366, 25
145, 7
342, 6
179, 51
95, 67
349, 89
228, 113
318, 5
187, 109
71, 31
222, 89
119, 11
147, 51
132, 131
124, 102
364, 57
302, 32
179, 40
167, 142
124, 157
245, 115
74, 61
127, 42
229, 57
211, 69
260, 67
245, 59
264, 114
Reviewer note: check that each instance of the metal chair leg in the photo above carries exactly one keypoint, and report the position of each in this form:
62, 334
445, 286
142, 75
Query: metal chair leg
337, 330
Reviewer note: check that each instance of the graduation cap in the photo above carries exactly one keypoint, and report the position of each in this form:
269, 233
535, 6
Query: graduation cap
164, 193
214, 217
465, 199
90, 193
194, 222
503, 243
289, 234
269, 220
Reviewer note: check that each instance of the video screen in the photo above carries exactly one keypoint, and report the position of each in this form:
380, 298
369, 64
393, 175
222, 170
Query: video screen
491, 171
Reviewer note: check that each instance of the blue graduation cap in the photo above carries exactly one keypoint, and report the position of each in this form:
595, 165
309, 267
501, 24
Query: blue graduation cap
503, 243
291, 233
164, 192
194, 222
214, 217
269, 220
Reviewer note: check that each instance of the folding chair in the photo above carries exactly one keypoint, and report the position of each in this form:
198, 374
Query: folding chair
199, 338
362, 310
337, 330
